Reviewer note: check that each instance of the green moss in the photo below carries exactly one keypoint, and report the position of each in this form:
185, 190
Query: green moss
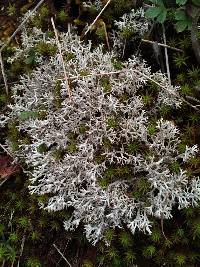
84, 72
46, 49
175, 167
13, 136
57, 94
13, 237
11, 10
126, 32
117, 64
147, 99
133, 148
44, 11
105, 83
109, 234
165, 110
152, 129
180, 60
69, 56
87, 263
33, 262
42, 148
110, 172
112, 123
125, 239
83, 128
100, 32
72, 148
107, 143
130, 257
141, 187
124, 97
62, 15
58, 154
23, 222
149, 251
186, 89
35, 236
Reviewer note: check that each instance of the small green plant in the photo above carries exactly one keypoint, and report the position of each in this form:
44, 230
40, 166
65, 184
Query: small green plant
161, 10
180, 60
87, 263
125, 239
130, 257
11, 9
175, 167
13, 237
158, 12
109, 235
33, 262
62, 15
149, 251
23, 222
180, 259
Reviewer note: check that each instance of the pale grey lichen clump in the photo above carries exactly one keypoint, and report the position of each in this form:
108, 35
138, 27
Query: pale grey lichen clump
79, 126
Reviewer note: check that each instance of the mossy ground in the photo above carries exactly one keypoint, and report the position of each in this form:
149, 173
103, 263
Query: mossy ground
175, 241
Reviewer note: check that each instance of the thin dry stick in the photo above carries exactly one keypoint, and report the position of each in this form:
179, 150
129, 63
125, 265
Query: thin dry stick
164, 45
106, 35
21, 250
62, 255
91, 25
162, 226
61, 57
3, 147
3, 73
166, 56
4, 181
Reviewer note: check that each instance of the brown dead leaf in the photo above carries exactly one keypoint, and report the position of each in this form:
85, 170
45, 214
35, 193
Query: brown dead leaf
7, 168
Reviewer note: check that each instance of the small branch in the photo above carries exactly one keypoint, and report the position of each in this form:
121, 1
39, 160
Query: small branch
166, 55
192, 98
7, 152
4, 181
91, 25
62, 255
61, 58
106, 35
21, 250
162, 227
194, 36
163, 45
3, 73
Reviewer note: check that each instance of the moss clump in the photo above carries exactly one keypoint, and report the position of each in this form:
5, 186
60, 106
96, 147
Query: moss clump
105, 83
112, 123
45, 49
42, 148
57, 94
83, 128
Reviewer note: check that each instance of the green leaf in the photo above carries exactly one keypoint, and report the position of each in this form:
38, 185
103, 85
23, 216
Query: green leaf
181, 2
153, 12
180, 15
162, 16
181, 25
196, 2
